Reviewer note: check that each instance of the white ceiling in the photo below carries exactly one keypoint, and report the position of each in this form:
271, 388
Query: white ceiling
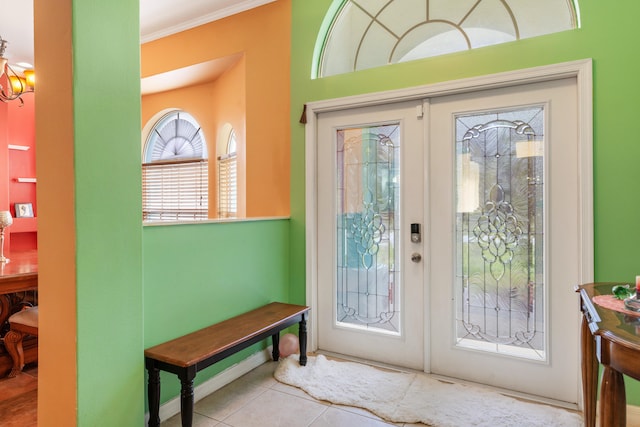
158, 18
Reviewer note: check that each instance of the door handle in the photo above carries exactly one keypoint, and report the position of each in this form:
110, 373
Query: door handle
416, 257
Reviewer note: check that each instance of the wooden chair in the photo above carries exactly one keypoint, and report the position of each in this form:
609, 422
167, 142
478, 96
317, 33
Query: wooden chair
22, 323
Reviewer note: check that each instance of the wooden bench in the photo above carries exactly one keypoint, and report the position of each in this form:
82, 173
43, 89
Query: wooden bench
186, 355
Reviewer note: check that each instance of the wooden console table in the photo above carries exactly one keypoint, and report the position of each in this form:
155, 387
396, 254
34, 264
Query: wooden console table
613, 339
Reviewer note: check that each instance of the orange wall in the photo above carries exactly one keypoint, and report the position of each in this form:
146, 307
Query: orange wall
212, 105
263, 35
230, 106
57, 375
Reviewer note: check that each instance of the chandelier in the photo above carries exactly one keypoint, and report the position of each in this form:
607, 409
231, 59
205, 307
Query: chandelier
16, 85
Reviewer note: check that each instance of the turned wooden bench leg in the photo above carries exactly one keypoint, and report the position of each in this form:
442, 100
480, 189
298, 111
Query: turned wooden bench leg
302, 339
275, 340
153, 393
186, 395
13, 344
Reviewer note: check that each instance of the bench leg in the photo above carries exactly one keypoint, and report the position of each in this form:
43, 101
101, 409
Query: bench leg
153, 394
186, 396
275, 340
302, 338
13, 344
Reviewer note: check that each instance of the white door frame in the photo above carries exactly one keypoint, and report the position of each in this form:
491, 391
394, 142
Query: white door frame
581, 70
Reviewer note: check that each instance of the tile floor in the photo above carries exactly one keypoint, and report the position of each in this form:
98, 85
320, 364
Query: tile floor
257, 399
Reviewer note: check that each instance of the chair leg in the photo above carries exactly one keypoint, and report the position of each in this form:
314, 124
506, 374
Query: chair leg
13, 344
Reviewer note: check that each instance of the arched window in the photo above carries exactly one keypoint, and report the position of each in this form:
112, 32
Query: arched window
228, 179
360, 34
175, 170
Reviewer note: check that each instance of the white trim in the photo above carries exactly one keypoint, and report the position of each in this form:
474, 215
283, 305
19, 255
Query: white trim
172, 407
241, 6
311, 224
581, 70
426, 231
492, 81
585, 137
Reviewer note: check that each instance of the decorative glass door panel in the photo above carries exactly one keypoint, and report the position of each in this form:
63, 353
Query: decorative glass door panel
368, 267
499, 290
505, 232
370, 292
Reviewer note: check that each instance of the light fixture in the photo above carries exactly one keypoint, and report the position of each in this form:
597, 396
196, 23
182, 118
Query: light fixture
16, 85
5, 221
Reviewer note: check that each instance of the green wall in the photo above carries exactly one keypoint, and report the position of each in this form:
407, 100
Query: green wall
139, 286
108, 220
199, 274
608, 35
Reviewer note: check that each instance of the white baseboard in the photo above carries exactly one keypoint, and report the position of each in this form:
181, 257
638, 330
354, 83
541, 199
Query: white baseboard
172, 407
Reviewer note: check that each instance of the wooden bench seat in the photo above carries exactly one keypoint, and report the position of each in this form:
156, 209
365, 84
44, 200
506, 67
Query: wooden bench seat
188, 354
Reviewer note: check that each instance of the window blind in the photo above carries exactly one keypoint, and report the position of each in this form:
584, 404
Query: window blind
175, 191
227, 186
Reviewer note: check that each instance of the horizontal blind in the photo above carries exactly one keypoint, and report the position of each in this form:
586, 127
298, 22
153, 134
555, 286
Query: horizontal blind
175, 191
227, 186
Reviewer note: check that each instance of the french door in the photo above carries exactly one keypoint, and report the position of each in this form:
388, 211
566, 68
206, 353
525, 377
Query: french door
449, 235
505, 238
371, 302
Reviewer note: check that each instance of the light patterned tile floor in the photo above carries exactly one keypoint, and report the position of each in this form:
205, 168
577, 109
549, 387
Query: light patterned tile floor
258, 400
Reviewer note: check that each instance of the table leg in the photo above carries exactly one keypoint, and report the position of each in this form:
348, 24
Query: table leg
613, 401
153, 393
186, 396
302, 338
275, 340
589, 374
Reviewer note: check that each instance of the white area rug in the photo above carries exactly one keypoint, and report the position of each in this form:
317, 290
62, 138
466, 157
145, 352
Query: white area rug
411, 398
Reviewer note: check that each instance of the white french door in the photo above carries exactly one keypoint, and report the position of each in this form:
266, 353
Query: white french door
505, 238
495, 180
371, 295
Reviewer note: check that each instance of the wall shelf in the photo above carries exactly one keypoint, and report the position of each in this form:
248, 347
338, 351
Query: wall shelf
32, 180
23, 225
18, 147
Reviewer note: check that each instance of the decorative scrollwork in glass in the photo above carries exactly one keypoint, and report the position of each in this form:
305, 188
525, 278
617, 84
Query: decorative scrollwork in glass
367, 231
500, 297
497, 231
367, 259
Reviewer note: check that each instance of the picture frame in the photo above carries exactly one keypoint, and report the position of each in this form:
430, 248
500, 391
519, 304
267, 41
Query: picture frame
24, 210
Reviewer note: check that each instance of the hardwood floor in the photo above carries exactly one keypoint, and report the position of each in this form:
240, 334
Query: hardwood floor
19, 399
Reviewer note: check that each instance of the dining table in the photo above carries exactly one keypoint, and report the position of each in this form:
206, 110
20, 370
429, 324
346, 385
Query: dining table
20, 273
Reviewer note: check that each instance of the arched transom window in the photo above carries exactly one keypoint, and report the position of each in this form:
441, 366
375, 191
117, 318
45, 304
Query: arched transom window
228, 179
362, 34
175, 170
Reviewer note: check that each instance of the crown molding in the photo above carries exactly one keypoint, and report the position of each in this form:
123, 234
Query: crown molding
239, 7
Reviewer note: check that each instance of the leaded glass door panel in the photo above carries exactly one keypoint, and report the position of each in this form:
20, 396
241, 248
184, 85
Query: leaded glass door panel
504, 241
371, 293
499, 237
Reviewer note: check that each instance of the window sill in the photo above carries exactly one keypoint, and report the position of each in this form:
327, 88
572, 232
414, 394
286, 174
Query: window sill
214, 221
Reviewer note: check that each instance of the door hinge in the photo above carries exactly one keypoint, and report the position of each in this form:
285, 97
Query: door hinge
419, 111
